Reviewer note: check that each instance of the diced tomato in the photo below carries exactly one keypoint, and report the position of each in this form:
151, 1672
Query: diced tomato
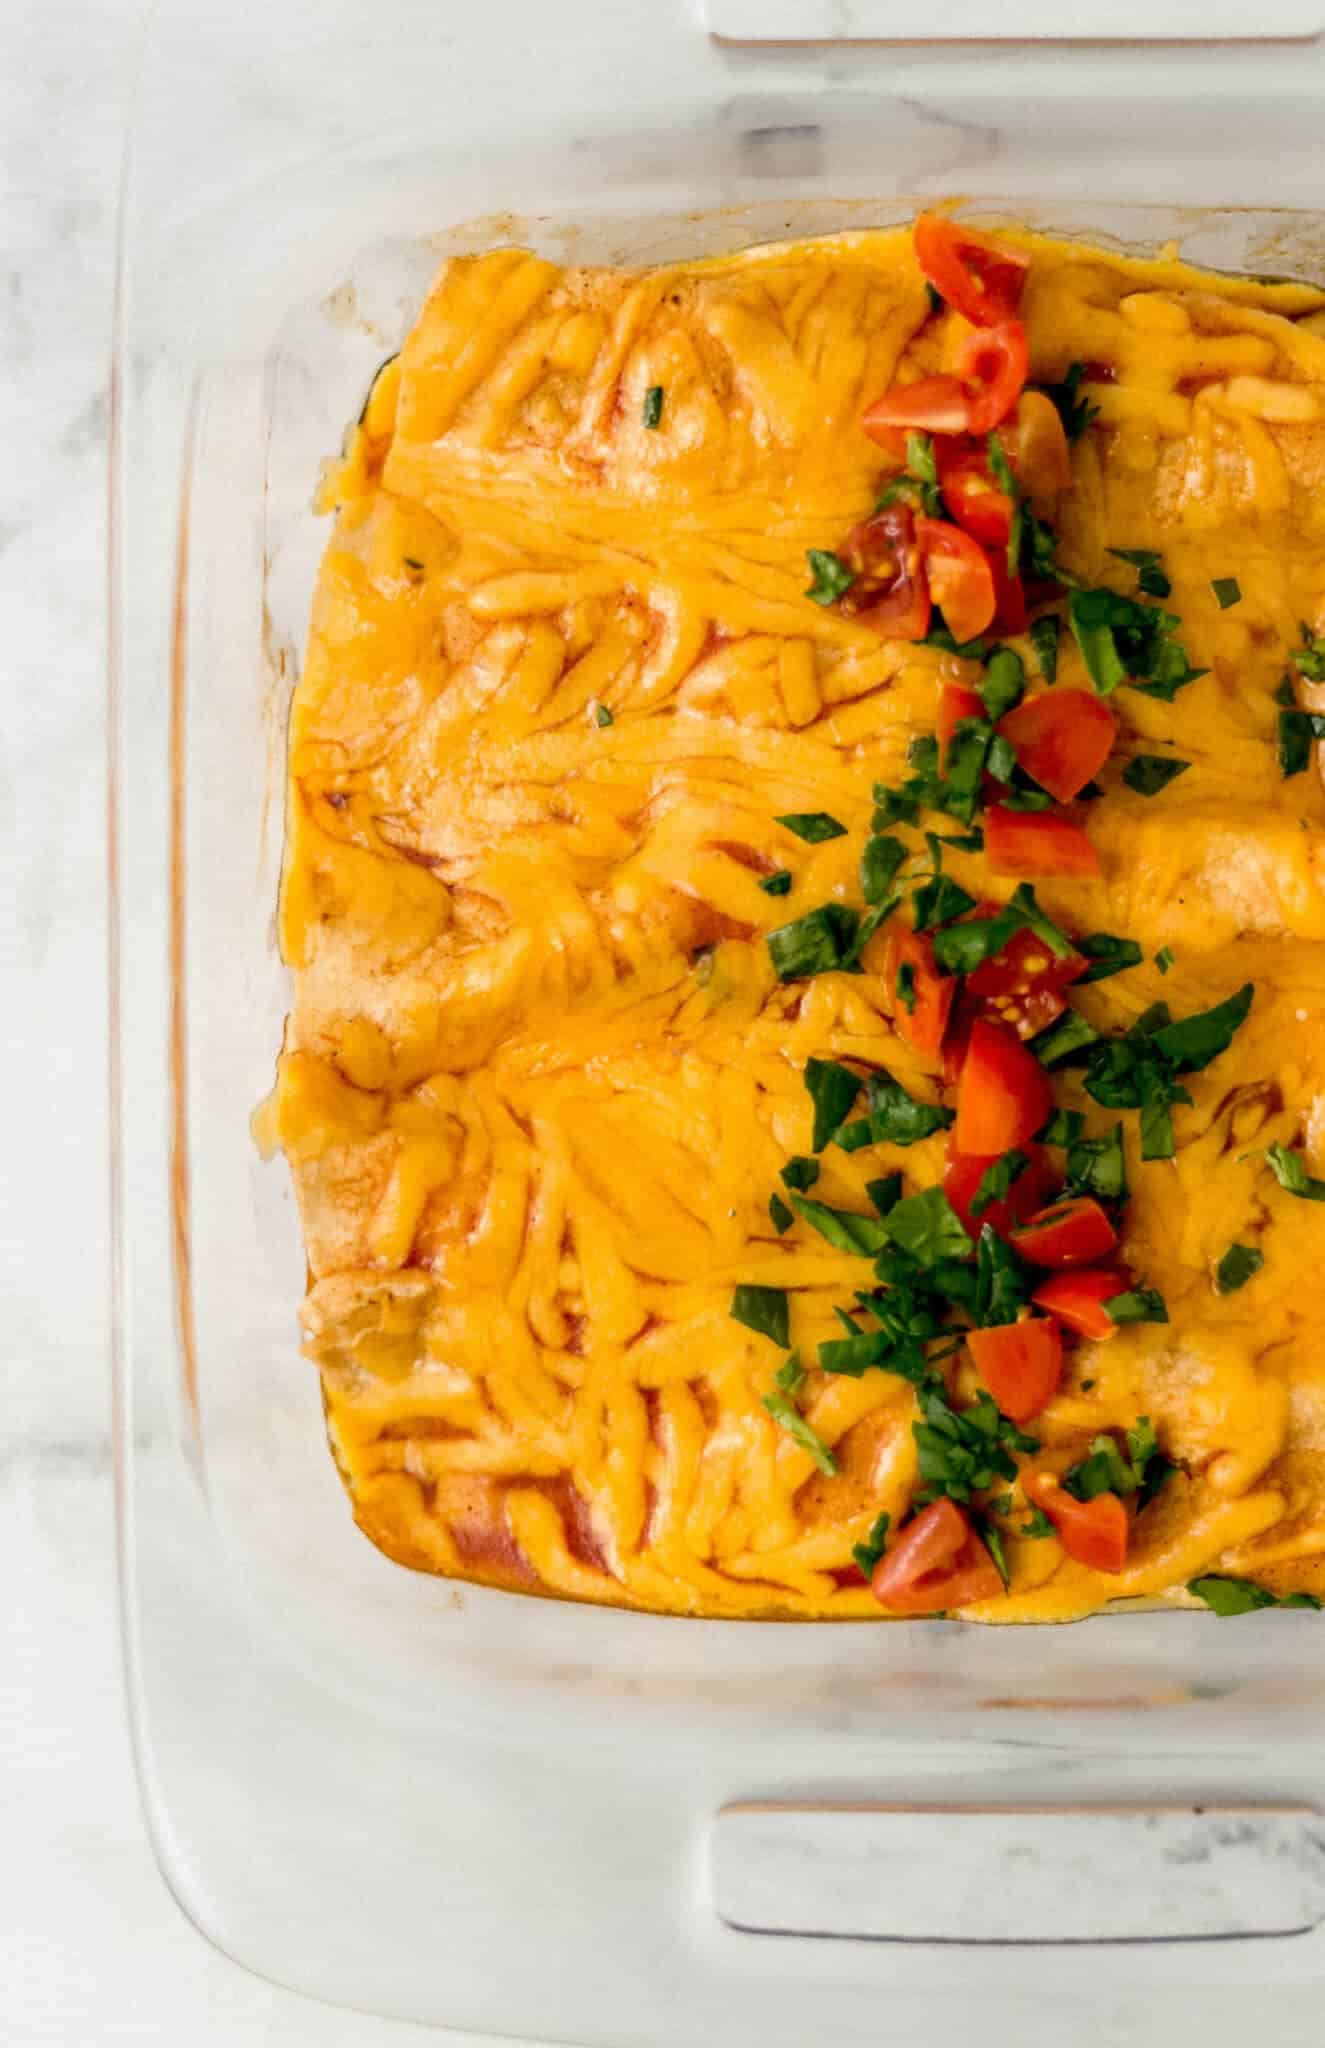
1003, 1096
1094, 1532
936, 1562
1028, 843
1067, 1233
960, 581
979, 278
980, 506
1022, 986
1036, 446
956, 702
890, 593
1077, 1298
924, 1022
932, 405
1062, 738
1020, 1363
1009, 595
961, 1179
992, 371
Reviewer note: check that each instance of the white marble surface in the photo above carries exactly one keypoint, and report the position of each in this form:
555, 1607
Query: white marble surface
93, 1951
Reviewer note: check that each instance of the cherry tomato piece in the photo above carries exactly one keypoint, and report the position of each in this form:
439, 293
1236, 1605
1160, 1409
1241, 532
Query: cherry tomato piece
991, 370
1077, 1298
890, 594
1003, 1096
1020, 1363
1022, 985
956, 702
923, 1019
960, 581
1031, 843
1062, 738
1072, 1232
980, 506
963, 1174
932, 405
979, 278
1093, 1532
936, 1562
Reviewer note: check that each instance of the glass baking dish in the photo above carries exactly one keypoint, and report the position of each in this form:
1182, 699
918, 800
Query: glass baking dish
375, 1786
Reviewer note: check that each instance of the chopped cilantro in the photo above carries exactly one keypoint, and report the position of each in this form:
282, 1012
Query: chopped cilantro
938, 901
764, 1310
1224, 1595
1107, 955
1238, 1265
1075, 412
603, 716
1297, 729
893, 1118
1291, 1173
992, 1538
1141, 1470
1309, 661
1036, 1526
1064, 1127
1044, 639
868, 1553
904, 986
800, 1173
653, 405
812, 826
996, 1180
1064, 1039
814, 944
843, 1229
1227, 591
879, 863
1164, 959
1147, 774
1002, 1290
964, 1451
1004, 683
780, 1215
776, 884
1098, 1166
928, 1227
831, 577
1137, 1305
885, 1193
832, 1089
1122, 641
788, 1416
1149, 565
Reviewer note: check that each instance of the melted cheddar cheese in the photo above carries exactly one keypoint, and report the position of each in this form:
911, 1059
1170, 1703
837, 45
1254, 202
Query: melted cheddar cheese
539, 1075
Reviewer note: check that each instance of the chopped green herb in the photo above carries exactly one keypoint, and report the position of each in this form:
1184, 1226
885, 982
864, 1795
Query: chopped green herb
1149, 565
1193, 1042
934, 300
962, 947
885, 1193
1297, 729
800, 1173
790, 1375
1001, 759
1087, 1386
919, 482
1075, 412
992, 1539
969, 650
904, 987
879, 863
1309, 661
893, 1118
928, 1227
965, 842
831, 576
1147, 774
653, 405
996, 1180
1107, 955
1044, 639
868, 1553
1039, 921
1137, 1305
1142, 1470
603, 716
1123, 641
1004, 683
1227, 1596
1098, 1166
845, 1231
1238, 1265
1227, 591
763, 1309
814, 944
938, 901
832, 1088
1002, 1290
776, 884
812, 826
1064, 1127
780, 1215
869, 924
1036, 1526
788, 1416
1284, 691
1290, 1171
1164, 959
1062, 1040
964, 1451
